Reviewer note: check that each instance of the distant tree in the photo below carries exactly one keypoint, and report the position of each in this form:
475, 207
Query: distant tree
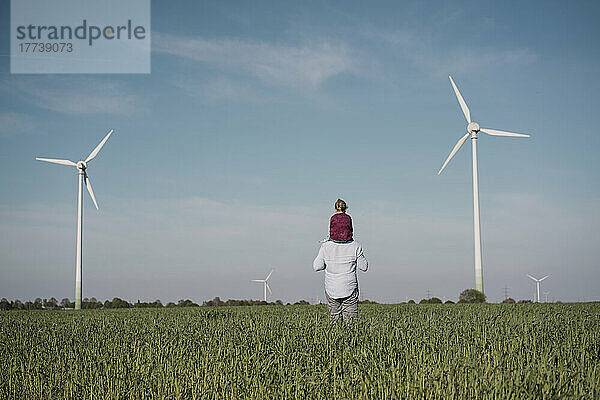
411, 301
116, 303
38, 300
17, 305
367, 301
471, 296
216, 302
154, 304
509, 301
187, 303
64, 303
50, 304
301, 303
5, 305
33, 306
448, 302
279, 302
433, 300
524, 301
91, 305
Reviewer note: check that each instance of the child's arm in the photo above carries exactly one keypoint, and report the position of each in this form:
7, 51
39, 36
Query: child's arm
319, 263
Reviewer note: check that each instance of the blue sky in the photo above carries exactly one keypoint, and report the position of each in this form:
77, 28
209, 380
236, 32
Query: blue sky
257, 116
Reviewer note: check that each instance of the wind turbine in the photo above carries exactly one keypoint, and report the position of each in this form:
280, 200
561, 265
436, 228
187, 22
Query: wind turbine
82, 178
537, 282
473, 129
266, 286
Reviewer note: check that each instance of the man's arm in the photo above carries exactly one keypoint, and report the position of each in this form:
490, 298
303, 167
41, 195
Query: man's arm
319, 263
361, 260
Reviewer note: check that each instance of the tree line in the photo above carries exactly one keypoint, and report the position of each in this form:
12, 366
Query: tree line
467, 296
92, 303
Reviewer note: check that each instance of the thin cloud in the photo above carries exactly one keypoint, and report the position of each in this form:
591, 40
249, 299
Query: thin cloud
297, 67
221, 89
439, 60
77, 96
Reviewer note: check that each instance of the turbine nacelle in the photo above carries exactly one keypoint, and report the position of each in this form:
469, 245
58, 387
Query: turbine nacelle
473, 127
81, 165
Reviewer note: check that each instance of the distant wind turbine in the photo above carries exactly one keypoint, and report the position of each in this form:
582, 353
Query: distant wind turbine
537, 283
83, 179
266, 285
473, 129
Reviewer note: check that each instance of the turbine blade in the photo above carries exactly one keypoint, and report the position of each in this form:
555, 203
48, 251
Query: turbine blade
544, 278
532, 277
97, 149
461, 101
268, 287
268, 276
90, 191
457, 146
496, 132
257, 280
57, 161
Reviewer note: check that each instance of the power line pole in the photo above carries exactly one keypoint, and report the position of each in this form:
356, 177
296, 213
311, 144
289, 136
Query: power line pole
505, 292
428, 294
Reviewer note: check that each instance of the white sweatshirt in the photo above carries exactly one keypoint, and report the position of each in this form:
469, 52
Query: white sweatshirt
339, 260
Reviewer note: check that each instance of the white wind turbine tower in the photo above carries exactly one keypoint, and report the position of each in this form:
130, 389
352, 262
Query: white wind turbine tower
537, 283
473, 129
82, 177
266, 285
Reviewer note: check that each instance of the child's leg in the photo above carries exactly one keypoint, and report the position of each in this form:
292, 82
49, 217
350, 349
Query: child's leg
349, 307
334, 306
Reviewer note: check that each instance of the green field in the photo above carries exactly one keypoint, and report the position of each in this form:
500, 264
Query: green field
542, 351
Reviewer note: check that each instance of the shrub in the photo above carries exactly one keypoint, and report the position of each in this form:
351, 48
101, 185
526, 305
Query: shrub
471, 296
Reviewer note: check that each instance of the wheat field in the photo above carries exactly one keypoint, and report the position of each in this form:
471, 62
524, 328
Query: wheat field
487, 351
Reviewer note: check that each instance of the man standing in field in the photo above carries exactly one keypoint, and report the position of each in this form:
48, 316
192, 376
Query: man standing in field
339, 257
